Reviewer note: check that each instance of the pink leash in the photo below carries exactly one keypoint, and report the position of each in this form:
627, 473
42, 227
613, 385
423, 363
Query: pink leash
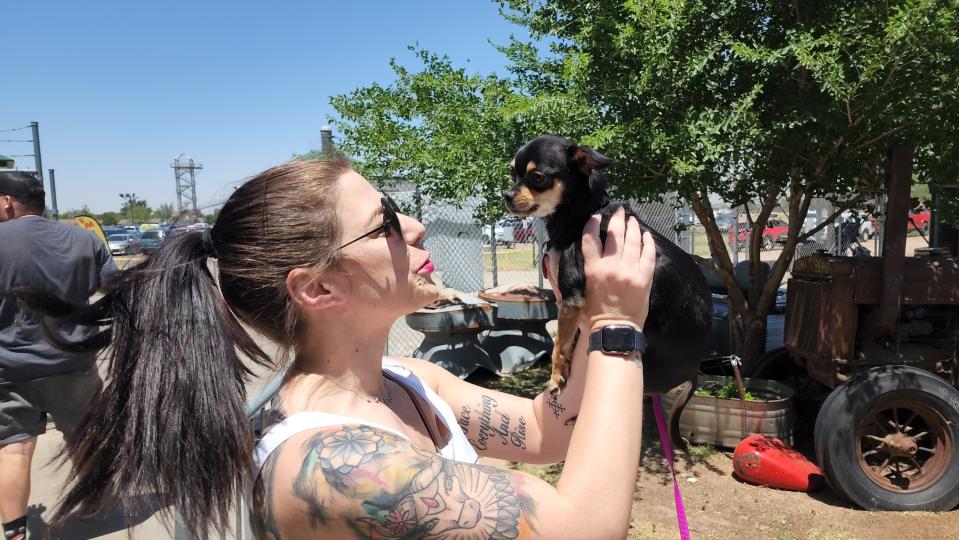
664, 438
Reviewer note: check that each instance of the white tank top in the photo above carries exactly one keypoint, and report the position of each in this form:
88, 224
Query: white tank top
458, 448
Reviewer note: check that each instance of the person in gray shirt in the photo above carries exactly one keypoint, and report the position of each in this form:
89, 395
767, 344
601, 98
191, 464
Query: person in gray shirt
37, 378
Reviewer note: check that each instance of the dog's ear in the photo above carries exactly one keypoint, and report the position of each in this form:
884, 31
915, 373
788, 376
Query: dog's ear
587, 159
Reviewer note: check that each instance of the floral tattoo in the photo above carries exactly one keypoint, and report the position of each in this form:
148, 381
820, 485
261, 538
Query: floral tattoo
399, 491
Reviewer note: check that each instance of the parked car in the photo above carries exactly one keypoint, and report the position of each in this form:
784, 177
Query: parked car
504, 234
151, 240
123, 244
918, 219
774, 229
522, 230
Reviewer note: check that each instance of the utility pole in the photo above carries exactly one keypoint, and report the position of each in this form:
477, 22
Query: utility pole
53, 196
36, 151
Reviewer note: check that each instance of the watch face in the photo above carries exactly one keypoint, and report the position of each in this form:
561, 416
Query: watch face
618, 340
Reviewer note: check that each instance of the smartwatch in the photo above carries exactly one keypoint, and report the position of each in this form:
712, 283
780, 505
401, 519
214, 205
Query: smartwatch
619, 339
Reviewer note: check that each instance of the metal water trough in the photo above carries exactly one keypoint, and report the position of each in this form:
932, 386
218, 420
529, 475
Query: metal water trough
451, 336
519, 339
719, 421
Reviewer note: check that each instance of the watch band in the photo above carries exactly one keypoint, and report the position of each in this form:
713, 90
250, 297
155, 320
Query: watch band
628, 338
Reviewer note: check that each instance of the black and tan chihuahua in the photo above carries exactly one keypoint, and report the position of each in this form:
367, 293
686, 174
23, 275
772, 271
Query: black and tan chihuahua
561, 181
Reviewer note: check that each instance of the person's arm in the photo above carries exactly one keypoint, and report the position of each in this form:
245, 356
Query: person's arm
358, 481
509, 427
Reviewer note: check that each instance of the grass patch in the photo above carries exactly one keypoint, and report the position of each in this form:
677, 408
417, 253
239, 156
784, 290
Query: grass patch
548, 473
520, 257
528, 383
701, 452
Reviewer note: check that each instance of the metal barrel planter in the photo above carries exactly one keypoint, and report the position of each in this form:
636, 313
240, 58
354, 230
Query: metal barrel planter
451, 336
719, 421
519, 338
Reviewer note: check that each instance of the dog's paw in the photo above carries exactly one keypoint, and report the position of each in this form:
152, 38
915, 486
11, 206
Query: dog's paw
557, 383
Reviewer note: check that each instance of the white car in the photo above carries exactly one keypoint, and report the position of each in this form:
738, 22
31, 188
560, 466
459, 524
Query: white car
503, 232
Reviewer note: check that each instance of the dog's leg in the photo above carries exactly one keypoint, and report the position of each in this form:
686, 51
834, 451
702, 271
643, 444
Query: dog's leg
569, 310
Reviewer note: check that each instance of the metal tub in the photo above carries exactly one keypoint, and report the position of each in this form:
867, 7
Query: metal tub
718, 421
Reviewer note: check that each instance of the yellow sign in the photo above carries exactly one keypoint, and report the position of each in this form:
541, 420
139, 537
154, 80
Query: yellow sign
90, 224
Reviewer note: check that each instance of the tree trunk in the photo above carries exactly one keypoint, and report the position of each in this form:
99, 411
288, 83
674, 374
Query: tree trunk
754, 340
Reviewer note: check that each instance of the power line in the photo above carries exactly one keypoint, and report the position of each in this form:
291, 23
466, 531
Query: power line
19, 155
16, 140
14, 129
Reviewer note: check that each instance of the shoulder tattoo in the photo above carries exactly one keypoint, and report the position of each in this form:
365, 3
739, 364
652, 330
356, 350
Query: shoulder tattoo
399, 491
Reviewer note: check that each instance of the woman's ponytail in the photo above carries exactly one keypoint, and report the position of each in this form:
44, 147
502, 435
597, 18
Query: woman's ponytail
170, 421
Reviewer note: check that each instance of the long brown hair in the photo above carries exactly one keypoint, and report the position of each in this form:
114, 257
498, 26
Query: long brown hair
170, 420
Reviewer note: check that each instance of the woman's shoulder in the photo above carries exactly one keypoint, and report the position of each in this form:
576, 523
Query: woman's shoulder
428, 373
341, 479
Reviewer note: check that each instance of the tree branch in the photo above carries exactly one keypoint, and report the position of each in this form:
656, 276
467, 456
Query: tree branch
842, 208
878, 137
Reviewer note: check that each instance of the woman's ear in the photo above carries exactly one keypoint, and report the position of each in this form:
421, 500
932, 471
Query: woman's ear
311, 291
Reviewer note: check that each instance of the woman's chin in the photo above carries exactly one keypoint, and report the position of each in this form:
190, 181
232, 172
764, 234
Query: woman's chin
427, 292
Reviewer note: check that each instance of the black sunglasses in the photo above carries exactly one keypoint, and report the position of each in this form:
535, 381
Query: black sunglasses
390, 221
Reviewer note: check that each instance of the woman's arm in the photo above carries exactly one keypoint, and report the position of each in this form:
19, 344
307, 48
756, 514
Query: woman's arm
504, 426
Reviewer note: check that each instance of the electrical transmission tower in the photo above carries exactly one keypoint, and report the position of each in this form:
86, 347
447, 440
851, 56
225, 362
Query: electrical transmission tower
184, 169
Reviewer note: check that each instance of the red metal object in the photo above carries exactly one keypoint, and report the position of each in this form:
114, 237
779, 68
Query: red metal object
767, 461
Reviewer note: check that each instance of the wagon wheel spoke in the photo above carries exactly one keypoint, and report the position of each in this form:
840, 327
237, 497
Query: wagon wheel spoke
895, 417
883, 466
918, 467
907, 427
921, 435
879, 439
870, 452
930, 450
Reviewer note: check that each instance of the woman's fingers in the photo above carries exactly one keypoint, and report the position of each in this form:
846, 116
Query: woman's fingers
647, 260
591, 243
634, 241
615, 234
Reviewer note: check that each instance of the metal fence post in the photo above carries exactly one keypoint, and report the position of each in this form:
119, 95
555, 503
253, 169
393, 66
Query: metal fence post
492, 248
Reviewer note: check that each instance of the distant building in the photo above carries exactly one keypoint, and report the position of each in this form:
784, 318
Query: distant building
6, 163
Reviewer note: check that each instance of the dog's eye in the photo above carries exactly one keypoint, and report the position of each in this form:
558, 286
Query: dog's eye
509, 170
534, 176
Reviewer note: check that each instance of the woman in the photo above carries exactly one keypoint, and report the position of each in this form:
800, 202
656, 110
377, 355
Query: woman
313, 257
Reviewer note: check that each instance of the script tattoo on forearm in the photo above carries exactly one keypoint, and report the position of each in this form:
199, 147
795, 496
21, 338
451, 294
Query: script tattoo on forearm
493, 423
399, 491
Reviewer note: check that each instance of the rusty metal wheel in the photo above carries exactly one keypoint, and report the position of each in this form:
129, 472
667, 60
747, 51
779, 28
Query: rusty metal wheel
888, 439
904, 446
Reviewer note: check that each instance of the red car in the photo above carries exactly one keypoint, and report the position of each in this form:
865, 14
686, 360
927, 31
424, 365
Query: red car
774, 229
918, 219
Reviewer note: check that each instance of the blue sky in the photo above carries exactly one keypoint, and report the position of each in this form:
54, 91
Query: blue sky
121, 88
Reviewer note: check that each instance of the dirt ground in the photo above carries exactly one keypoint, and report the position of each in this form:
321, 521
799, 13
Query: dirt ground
719, 506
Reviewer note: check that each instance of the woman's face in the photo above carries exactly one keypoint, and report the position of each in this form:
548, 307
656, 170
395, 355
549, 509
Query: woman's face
388, 272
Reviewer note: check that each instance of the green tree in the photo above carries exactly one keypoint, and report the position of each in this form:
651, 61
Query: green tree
757, 101
766, 103
449, 132
109, 218
211, 217
84, 210
137, 209
165, 212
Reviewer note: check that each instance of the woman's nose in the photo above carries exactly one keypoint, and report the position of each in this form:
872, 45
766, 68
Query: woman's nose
413, 230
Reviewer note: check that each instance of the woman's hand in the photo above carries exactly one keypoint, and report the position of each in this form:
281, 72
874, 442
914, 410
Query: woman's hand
619, 275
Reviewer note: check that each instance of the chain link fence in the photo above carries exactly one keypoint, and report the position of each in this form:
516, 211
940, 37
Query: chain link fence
470, 257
